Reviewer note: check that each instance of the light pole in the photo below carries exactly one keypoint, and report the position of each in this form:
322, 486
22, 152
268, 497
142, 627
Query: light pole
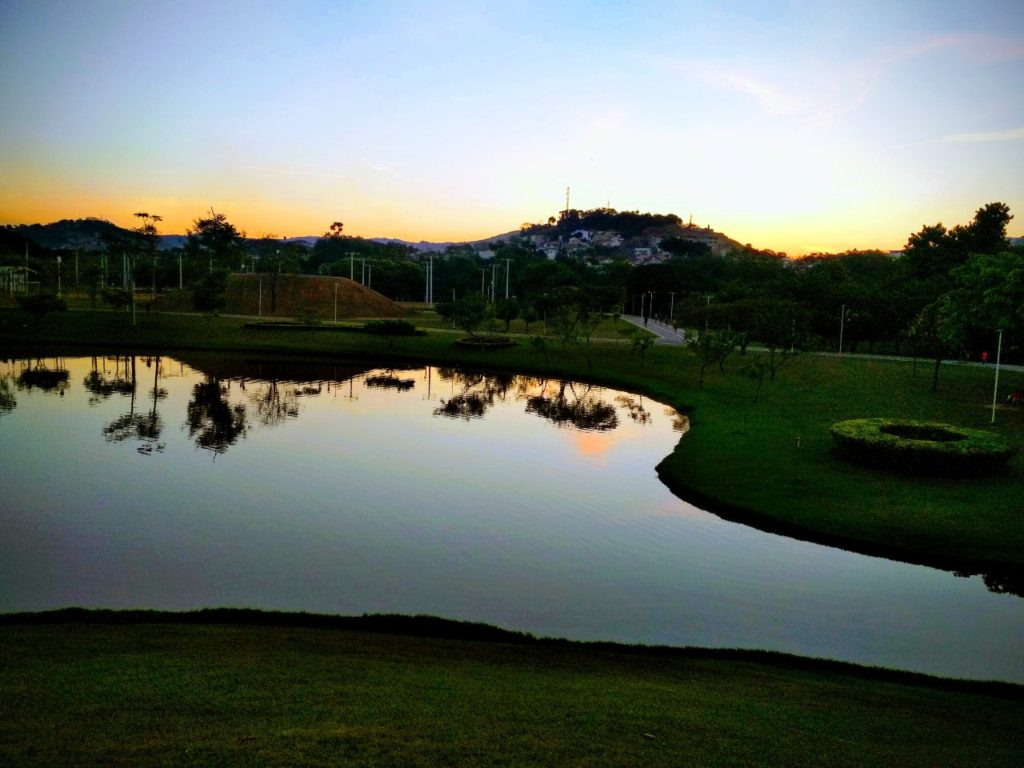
58, 276
995, 389
707, 312
482, 272
671, 306
335, 302
507, 267
842, 325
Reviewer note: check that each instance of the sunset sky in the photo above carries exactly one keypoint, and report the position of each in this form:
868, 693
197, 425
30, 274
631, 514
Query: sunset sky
796, 126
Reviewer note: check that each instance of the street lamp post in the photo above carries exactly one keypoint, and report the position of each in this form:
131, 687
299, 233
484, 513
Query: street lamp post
671, 306
995, 389
842, 325
507, 263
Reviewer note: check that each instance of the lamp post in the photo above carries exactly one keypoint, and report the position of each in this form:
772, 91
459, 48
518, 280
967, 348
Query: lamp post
995, 389
842, 325
707, 312
671, 306
335, 302
507, 267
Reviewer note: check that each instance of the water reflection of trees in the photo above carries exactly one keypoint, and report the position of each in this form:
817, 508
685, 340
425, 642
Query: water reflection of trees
478, 393
389, 380
275, 402
8, 402
101, 384
581, 409
44, 376
214, 423
562, 402
634, 408
146, 426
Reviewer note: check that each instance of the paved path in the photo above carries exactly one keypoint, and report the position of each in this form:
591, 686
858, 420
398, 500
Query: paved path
665, 333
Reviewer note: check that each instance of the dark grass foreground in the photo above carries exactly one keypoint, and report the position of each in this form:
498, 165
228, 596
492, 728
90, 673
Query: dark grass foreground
81, 688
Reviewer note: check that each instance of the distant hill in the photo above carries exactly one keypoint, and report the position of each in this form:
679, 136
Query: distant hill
94, 233
88, 234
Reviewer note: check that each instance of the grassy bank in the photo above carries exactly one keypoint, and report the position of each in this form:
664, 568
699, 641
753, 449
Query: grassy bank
110, 694
768, 463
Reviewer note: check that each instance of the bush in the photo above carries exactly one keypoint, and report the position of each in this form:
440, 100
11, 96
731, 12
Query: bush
390, 328
41, 304
117, 298
920, 447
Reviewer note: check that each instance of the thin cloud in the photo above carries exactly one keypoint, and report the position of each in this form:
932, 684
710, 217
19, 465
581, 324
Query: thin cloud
1014, 134
772, 100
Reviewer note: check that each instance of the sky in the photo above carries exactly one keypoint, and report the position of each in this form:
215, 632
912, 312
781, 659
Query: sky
795, 126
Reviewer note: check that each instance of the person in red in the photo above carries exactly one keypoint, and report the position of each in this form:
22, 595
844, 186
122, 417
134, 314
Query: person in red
984, 358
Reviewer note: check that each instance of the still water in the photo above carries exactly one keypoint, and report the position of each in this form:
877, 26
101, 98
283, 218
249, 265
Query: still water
527, 503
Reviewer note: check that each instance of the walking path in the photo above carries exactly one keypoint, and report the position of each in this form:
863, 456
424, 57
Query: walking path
665, 333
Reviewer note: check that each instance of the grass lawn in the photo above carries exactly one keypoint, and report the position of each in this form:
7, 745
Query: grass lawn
89, 694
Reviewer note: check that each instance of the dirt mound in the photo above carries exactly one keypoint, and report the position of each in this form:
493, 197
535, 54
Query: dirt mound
306, 296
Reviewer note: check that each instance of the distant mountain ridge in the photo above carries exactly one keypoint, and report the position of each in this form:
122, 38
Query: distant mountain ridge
92, 233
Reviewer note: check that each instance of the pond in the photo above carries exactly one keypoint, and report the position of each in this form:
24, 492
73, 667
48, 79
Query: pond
532, 504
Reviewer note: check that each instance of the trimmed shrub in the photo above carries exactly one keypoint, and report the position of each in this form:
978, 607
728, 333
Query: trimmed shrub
920, 447
390, 328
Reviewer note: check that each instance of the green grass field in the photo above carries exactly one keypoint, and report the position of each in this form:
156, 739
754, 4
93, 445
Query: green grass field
87, 694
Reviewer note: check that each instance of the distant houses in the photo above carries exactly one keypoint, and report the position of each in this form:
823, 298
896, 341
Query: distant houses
607, 243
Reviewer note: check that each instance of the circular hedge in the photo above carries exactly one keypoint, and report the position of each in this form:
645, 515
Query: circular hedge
920, 447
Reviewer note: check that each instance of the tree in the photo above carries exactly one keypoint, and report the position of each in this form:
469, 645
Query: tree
712, 347
933, 335
507, 310
469, 312
987, 232
989, 295
208, 293
146, 244
214, 243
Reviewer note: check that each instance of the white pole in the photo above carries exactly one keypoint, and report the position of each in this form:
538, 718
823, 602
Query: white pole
672, 306
995, 389
507, 263
842, 322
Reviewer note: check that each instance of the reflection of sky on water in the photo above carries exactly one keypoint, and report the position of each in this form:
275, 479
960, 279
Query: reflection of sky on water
349, 498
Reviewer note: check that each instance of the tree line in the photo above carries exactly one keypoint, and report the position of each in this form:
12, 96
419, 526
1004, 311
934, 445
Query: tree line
946, 295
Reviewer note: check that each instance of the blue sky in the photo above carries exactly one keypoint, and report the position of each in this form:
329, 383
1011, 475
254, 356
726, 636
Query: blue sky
798, 127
